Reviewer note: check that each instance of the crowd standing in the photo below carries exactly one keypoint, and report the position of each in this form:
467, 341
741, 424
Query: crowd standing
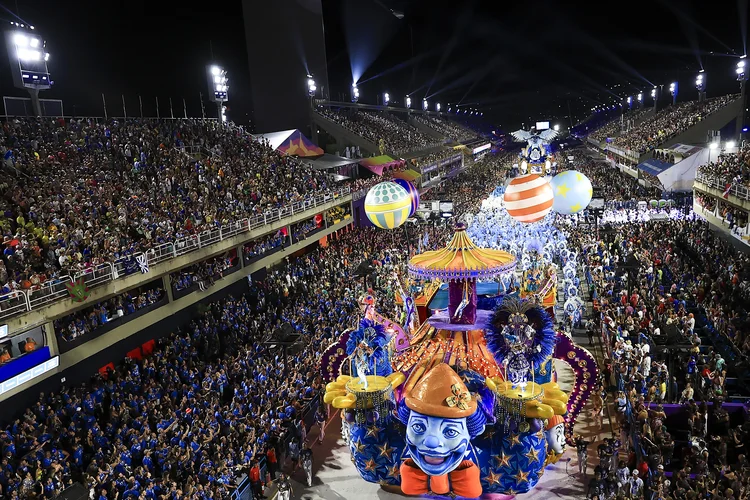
729, 168
211, 399
667, 123
89, 192
397, 136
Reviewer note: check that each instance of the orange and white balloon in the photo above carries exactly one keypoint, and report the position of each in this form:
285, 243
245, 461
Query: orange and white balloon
528, 198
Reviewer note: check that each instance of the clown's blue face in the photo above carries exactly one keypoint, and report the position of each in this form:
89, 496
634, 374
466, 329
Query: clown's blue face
437, 445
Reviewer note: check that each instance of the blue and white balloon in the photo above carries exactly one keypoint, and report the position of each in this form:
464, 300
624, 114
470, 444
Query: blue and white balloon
572, 192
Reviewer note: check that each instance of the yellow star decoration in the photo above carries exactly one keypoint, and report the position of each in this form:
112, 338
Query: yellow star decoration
503, 460
533, 455
385, 450
370, 465
562, 190
576, 207
522, 476
514, 440
579, 177
394, 472
493, 478
591, 192
359, 446
489, 433
373, 431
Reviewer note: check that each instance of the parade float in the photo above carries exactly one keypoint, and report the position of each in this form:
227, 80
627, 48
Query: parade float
465, 402
536, 157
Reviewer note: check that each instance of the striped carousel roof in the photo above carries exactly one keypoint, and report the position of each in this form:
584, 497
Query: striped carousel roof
461, 259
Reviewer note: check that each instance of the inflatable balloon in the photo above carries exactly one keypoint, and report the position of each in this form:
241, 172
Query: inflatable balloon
387, 205
572, 192
528, 198
413, 193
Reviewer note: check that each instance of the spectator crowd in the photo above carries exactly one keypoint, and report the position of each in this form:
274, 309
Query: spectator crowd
667, 123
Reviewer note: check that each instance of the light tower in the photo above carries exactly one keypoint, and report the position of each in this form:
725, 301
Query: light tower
655, 96
408, 102
673, 90
742, 78
311, 87
355, 92
386, 98
28, 56
219, 83
437, 107
425, 105
700, 85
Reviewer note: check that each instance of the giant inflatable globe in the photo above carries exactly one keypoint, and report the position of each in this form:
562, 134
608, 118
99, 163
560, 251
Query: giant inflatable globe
528, 198
387, 205
413, 193
572, 192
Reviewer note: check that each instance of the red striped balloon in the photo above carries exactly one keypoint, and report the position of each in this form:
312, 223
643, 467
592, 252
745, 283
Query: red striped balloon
528, 198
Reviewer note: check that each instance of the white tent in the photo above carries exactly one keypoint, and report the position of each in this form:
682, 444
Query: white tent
681, 176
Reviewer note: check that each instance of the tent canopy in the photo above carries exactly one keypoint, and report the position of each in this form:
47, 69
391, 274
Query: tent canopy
292, 143
377, 164
681, 176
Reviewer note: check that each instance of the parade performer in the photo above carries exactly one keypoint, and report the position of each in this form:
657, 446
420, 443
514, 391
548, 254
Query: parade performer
306, 457
284, 487
441, 418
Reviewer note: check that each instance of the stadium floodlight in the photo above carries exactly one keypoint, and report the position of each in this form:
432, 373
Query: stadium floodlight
311, 87
386, 98
218, 83
408, 102
713, 145
437, 107
425, 104
355, 92
640, 96
28, 57
729, 145
556, 128
741, 75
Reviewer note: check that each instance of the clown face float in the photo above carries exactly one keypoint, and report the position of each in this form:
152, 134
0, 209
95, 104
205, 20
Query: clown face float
471, 406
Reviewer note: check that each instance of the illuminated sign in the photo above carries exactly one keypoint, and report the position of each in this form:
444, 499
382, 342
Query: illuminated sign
3, 331
30, 374
542, 125
481, 148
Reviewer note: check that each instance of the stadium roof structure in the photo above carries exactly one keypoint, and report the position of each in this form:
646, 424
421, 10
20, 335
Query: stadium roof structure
292, 143
329, 161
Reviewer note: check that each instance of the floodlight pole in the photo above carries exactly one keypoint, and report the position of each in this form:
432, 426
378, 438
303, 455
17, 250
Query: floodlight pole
219, 105
35, 105
741, 115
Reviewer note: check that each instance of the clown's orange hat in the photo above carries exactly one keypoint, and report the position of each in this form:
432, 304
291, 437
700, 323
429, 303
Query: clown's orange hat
441, 393
555, 420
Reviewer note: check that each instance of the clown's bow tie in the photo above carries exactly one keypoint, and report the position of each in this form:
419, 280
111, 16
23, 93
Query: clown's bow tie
463, 481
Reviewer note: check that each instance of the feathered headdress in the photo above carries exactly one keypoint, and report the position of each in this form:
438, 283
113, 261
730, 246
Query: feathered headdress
375, 337
543, 341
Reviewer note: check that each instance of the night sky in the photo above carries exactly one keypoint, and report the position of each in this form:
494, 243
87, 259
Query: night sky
517, 61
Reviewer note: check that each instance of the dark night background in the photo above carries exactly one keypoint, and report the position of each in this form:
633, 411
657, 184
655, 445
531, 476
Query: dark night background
518, 62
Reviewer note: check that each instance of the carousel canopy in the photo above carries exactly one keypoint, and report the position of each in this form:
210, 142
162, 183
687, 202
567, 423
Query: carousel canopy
461, 259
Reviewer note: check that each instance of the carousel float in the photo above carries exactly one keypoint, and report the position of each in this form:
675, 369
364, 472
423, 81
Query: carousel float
466, 402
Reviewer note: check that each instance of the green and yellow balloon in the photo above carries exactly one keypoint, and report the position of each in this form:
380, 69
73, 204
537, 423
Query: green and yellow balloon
388, 205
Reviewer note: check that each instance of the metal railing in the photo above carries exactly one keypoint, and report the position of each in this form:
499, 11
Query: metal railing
740, 191
22, 301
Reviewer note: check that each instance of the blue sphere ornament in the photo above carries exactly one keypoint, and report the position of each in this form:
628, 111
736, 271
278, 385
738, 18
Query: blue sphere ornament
387, 205
572, 192
413, 192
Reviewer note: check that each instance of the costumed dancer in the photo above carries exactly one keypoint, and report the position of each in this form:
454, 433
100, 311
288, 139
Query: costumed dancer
583, 454
361, 361
284, 487
306, 458
320, 421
